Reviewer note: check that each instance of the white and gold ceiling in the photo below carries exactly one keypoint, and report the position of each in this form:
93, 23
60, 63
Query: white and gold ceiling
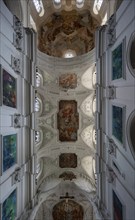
65, 105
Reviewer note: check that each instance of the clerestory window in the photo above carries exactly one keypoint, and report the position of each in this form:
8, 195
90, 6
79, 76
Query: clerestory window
39, 7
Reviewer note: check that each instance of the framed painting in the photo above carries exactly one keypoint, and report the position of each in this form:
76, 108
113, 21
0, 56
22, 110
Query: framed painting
117, 208
9, 151
9, 207
9, 91
118, 122
118, 62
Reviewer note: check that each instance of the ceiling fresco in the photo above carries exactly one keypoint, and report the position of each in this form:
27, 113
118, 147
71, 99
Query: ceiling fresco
67, 209
68, 120
67, 176
67, 30
68, 81
68, 160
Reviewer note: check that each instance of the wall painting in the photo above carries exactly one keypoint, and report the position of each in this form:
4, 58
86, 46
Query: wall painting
117, 208
9, 151
117, 123
9, 207
9, 90
117, 62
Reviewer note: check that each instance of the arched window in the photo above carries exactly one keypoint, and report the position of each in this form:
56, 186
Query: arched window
38, 168
94, 105
94, 78
38, 79
131, 54
57, 3
69, 53
131, 132
33, 24
37, 137
94, 134
97, 6
39, 7
37, 105
79, 3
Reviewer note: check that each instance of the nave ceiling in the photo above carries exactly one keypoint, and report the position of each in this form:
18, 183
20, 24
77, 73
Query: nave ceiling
68, 160
65, 95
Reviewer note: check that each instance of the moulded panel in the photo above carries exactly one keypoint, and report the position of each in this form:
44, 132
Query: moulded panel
129, 14
6, 28
5, 11
8, 50
121, 9
26, 68
26, 98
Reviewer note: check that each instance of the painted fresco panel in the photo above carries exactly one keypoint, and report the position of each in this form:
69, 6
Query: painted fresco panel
68, 160
68, 120
9, 207
9, 151
68, 81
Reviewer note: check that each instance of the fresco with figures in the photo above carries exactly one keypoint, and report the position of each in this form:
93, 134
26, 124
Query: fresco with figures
68, 81
68, 160
68, 209
67, 29
68, 120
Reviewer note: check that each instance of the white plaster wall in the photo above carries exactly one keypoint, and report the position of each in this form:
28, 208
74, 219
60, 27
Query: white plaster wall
124, 180
24, 108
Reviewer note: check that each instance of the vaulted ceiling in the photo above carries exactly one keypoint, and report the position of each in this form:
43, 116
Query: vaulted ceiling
65, 107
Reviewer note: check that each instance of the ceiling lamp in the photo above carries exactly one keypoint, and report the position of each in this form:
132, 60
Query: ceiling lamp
39, 7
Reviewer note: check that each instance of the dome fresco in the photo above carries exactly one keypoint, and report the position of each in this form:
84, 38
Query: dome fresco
65, 31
